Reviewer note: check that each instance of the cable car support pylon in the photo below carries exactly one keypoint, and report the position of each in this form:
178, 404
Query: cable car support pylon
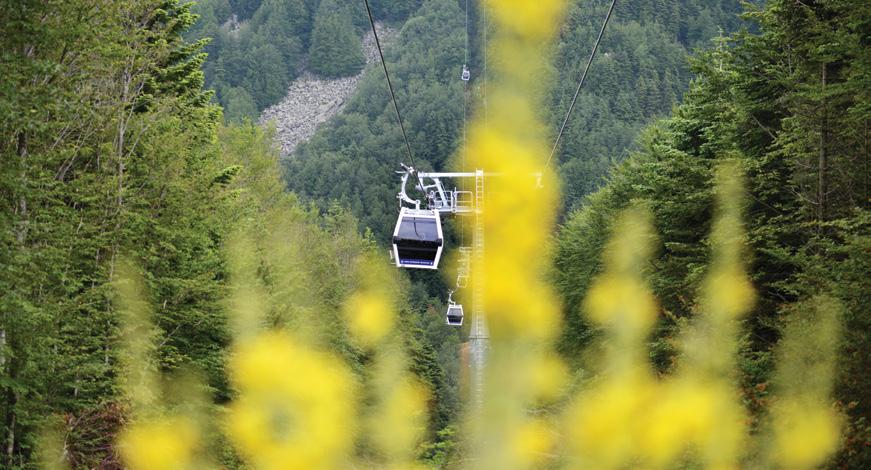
418, 240
478, 336
418, 243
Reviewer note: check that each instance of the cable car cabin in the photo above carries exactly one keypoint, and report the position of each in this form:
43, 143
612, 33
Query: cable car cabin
466, 75
418, 239
455, 315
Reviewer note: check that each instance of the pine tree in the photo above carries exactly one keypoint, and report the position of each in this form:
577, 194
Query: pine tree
336, 50
267, 77
239, 105
111, 154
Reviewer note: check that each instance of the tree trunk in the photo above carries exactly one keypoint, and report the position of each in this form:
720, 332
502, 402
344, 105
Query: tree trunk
11, 398
10, 363
823, 164
10, 436
21, 233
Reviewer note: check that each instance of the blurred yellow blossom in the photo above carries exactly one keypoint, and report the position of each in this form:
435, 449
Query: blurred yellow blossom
139, 379
805, 429
516, 218
604, 423
804, 435
547, 376
296, 406
688, 413
369, 316
370, 312
153, 440
620, 297
533, 442
517, 215
627, 417
160, 444
729, 293
533, 18
399, 423
714, 420
621, 300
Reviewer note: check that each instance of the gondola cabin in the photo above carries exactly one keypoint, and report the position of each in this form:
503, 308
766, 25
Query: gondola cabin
455, 315
418, 239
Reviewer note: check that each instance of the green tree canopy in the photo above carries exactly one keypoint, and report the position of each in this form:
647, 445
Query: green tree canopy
336, 50
239, 105
789, 101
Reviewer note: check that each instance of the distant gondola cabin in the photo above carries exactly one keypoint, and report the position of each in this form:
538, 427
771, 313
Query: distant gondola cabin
455, 315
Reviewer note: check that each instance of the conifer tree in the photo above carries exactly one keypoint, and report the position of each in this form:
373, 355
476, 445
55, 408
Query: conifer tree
110, 154
239, 105
336, 50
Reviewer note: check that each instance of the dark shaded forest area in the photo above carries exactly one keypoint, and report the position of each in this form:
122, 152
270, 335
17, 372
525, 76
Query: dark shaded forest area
790, 102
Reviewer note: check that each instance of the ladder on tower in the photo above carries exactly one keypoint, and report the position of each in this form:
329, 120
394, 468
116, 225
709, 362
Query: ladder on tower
478, 335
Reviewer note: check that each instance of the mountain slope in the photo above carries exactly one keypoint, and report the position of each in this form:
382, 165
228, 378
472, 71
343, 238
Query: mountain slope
640, 74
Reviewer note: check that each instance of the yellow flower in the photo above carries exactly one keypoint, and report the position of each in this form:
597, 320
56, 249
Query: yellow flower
369, 316
603, 426
401, 423
296, 406
621, 300
533, 441
532, 18
548, 377
522, 312
729, 293
681, 411
804, 435
165, 443
691, 413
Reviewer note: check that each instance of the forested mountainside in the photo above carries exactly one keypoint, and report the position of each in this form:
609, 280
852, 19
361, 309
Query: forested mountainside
257, 47
641, 72
354, 158
790, 102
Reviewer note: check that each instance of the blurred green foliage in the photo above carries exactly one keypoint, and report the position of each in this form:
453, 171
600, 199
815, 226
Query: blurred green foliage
795, 118
112, 149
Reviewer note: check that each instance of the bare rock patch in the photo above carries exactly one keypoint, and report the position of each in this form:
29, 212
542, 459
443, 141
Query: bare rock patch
311, 100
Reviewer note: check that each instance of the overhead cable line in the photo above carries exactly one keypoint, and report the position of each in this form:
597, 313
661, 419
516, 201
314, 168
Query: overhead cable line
467, 32
581, 83
465, 149
483, 12
389, 84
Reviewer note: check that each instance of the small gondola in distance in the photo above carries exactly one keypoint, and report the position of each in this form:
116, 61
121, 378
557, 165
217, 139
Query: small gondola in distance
454, 315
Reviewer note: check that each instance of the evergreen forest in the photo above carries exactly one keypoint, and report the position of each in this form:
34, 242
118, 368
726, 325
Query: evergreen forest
684, 286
